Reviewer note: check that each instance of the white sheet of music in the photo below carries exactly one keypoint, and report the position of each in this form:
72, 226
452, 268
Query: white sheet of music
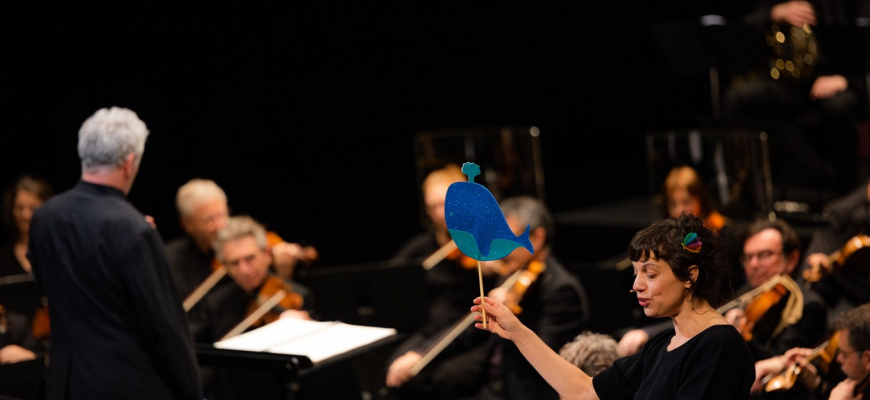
315, 339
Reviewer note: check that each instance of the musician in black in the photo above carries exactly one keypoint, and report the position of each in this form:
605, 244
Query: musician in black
809, 94
847, 218
849, 347
550, 301
450, 276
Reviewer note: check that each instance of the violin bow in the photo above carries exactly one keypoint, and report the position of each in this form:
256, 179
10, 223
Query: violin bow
256, 315
439, 255
750, 294
454, 331
207, 284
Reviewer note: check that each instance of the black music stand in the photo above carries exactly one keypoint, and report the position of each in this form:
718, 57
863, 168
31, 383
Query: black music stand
253, 374
23, 380
371, 294
20, 293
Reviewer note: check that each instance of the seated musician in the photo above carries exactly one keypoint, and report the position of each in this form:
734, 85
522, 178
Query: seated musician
852, 352
241, 245
797, 318
552, 302
203, 210
449, 278
21, 199
843, 282
18, 344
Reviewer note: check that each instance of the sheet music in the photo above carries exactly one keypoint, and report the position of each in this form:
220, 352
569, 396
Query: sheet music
317, 340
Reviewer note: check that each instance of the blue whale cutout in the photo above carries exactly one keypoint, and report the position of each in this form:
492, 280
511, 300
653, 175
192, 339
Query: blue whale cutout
476, 223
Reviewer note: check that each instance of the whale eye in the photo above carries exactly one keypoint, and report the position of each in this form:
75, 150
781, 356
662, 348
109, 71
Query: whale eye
450, 213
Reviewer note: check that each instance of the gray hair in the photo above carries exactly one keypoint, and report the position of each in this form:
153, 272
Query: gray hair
237, 228
591, 352
108, 136
195, 192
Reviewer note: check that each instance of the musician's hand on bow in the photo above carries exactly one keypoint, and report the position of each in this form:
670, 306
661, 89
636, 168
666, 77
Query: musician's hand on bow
809, 376
765, 370
500, 319
399, 371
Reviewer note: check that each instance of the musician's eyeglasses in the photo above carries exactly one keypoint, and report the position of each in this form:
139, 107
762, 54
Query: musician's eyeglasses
761, 255
846, 353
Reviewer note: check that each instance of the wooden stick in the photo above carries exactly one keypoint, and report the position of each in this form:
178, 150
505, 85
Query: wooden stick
197, 294
259, 312
439, 255
442, 343
482, 299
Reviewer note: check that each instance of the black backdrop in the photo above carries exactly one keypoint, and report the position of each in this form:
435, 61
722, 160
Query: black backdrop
306, 115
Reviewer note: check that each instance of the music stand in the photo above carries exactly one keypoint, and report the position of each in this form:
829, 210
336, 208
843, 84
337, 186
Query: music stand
20, 293
371, 294
23, 379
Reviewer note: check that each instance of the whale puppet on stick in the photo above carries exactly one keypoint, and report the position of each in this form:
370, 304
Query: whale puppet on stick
476, 223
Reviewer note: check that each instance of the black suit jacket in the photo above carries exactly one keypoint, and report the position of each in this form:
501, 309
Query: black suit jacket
118, 329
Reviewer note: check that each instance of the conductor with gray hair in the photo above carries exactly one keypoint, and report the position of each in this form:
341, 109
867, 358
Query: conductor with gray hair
118, 329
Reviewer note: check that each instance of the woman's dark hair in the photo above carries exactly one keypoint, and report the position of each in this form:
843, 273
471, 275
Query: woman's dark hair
663, 241
39, 187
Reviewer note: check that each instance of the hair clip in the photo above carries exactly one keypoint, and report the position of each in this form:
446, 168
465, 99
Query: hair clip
692, 243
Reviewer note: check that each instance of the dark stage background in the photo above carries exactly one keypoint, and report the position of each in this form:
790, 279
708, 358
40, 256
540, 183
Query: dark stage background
305, 116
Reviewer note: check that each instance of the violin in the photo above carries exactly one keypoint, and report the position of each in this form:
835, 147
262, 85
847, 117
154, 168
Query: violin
273, 286
785, 380
310, 254
219, 271
273, 298
837, 260
759, 306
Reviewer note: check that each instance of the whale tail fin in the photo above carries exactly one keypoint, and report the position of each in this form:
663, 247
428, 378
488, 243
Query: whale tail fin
523, 239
